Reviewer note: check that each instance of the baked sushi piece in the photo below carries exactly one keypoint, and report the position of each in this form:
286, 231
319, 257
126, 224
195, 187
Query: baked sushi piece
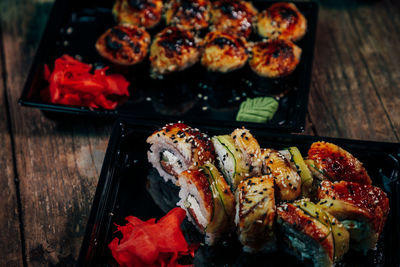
208, 201
238, 156
233, 16
361, 208
328, 161
274, 58
144, 13
311, 234
173, 49
224, 52
188, 14
178, 147
124, 44
255, 214
282, 20
287, 180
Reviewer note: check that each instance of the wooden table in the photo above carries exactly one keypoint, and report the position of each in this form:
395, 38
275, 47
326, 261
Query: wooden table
50, 167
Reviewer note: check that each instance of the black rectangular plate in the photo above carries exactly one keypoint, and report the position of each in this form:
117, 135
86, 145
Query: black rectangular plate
127, 178
194, 95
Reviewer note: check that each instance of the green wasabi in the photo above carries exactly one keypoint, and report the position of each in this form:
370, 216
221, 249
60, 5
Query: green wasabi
259, 109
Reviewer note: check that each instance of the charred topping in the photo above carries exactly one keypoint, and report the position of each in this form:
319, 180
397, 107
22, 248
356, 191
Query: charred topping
175, 40
221, 42
141, 4
285, 13
190, 9
234, 9
112, 45
275, 49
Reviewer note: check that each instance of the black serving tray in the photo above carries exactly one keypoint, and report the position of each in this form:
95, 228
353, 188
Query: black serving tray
128, 185
194, 95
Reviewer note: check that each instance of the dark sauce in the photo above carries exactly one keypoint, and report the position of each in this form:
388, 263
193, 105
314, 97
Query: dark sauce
174, 40
141, 4
111, 45
222, 41
119, 33
286, 14
190, 9
233, 8
275, 49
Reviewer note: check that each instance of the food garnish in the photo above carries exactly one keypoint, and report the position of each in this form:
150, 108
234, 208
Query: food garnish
259, 109
151, 243
72, 83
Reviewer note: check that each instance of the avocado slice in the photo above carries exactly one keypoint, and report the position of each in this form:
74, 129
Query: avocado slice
303, 171
339, 232
240, 169
222, 198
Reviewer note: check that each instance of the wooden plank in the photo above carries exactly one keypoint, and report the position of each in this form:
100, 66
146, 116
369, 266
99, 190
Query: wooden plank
10, 235
344, 100
58, 162
379, 40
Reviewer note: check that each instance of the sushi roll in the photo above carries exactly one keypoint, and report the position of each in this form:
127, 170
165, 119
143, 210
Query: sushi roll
255, 214
224, 52
311, 234
362, 209
274, 58
178, 147
144, 13
233, 16
188, 14
282, 20
287, 180
208, 201
328, 161
173, 49
124, 44
238, 156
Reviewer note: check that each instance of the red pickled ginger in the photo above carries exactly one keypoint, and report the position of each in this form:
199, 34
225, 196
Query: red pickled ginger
151, 243
71, 83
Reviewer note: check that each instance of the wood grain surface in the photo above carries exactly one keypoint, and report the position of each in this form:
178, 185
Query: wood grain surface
10, 235
46, 198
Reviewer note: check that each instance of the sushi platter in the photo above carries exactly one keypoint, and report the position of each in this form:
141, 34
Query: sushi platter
133, 183
194, 94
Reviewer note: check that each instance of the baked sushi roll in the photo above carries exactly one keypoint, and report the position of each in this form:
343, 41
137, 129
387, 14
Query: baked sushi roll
188, 14
362, 209
173, 49
274, 58
238, 156
144, 13
124, 44
224, 52
208, 201
178, 147
282, 20
328, 161
233, 16
311, 234
287, 180
255, 214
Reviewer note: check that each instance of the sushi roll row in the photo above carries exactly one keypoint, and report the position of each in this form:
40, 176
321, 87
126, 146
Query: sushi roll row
315, 208
281, 20
224, 49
